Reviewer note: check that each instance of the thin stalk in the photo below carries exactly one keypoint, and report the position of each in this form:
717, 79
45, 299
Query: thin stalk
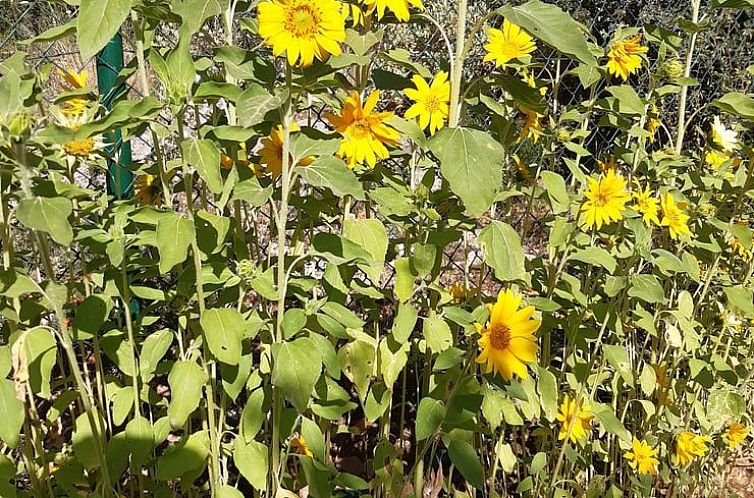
695, 4
457, 74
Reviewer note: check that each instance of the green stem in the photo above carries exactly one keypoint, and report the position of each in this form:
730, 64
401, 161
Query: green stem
455, 78
695, 4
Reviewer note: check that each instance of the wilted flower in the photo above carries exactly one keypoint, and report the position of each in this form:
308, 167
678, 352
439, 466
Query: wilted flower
689, 445
735, 434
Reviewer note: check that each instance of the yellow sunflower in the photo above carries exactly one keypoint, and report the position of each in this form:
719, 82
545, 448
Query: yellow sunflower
673, 217
715, 159
147, 190
304, 29
431, 105
605, 200
689, 445
532, 127
397, 7
579, 417
364, 131
271, 153
647, 205
508, 341
624, 57
300, 446
510, 43
735, 434
74, 81
642, 457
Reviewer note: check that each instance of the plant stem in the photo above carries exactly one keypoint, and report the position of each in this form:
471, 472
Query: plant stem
455, 78
695, 4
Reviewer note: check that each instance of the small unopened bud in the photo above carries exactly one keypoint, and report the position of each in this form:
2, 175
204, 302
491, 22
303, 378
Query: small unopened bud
672, 69
18, 124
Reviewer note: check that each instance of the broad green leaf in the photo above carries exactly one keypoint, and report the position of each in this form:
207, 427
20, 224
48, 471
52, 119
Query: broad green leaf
254, 414
234, 377
54, 33
393, 357
48, 215
404, 279
139, 438
404, 322
252, 192
255, 102
83, 440
357, 362
186, 381
437, 333
195, 12
732, 4
98, 22
466, 460
521, 92
369, 234
251, 458
12, 410
740, 300
617, 357
596, 256
501, 249
331, 172
610, 422
429, 417
228, 492
724, 407
296, 371
647, 288
7, 474
174, 236
222, 329
153, 348
555, 188
737, 104
183, 458
629, 101
553, 26
205, 157
547, 387
471, 160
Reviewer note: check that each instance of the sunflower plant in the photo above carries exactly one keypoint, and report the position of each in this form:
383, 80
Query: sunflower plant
345, 270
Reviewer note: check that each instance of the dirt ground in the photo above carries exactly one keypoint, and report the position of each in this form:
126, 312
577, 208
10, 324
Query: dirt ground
741, 480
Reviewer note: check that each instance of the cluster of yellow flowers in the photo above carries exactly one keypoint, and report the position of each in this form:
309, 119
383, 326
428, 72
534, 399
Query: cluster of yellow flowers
73, 113
606, 200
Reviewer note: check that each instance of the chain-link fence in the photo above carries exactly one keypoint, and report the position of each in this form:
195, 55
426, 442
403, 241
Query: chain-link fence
721, 60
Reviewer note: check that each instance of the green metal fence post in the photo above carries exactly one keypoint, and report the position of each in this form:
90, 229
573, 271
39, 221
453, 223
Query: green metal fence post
109, 64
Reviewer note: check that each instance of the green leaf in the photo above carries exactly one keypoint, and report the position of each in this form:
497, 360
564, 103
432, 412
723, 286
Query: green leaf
404, 279
465, 458
39, 353
429, 417
521, 92
647, 288
296, 371
332, 173
195, 12
437, 333
629, 101
553, 26
174, 236
737, 104
205, 157
471, 161
393, 357
404, 322
555, 188
228, 492
254, 414
252, 192
732, 4
139, 438
153, 349
357, 362
740, 300
293, 321
54, 33
48, 215
222, 329
251, 458
501, 249
183, 458
98, 21
12, 410
369, 234
596, 256
255, 102
610, 422
186, 380
724, 407
547, 387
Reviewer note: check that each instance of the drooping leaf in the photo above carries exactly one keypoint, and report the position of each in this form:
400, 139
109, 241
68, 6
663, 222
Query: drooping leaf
12, 413
48, 215
98, 21
205, 157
